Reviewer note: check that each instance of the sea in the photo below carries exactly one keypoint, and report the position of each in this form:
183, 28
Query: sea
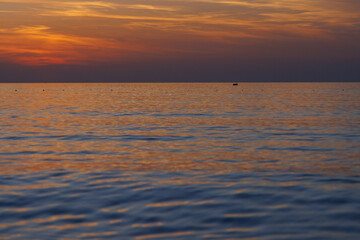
142, 161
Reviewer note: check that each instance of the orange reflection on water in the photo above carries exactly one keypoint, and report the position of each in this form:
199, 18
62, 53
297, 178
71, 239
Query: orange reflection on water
115, 210
157, 224
41, 220
161, 127
69, 142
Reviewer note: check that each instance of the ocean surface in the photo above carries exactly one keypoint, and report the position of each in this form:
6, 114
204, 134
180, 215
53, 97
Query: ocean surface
180, 161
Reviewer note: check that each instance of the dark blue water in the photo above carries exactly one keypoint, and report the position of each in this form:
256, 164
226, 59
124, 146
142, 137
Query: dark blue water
180, 161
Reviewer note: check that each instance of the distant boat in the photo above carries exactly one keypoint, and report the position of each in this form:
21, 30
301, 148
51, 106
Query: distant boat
235, 84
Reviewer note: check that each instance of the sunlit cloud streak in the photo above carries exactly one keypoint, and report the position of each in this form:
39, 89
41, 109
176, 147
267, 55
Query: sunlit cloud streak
38, 45
65, 3
106, 30
150, 7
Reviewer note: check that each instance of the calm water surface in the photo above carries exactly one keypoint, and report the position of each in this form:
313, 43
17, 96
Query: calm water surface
180, 161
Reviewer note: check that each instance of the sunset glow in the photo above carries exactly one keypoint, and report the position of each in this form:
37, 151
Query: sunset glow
46, 32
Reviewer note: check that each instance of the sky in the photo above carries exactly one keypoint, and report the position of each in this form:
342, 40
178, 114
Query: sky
179, 40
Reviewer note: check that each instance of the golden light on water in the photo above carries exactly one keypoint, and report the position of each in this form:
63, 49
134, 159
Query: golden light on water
178, 160
139, 149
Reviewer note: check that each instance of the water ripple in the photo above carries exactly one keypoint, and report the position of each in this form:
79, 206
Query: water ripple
180, 161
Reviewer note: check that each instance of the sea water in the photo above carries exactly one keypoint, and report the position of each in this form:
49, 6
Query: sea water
180, 161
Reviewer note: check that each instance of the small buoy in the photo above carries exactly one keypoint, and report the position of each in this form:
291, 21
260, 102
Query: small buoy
43, 90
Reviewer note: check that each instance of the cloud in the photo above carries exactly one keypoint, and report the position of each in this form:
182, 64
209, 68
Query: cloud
269, 19
66, 3
92, 4
38, 45
151, 7
80, 31
96, 14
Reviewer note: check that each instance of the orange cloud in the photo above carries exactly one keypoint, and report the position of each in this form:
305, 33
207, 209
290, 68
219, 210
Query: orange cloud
38, 45
66, 3
161, 27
